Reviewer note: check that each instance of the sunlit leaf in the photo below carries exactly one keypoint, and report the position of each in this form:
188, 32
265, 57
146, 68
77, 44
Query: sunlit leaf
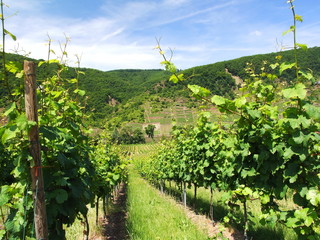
218, 100
80, 92
298, 18
292, 28
298, 91
284, 66
313, 196
302, 46
199, 91
10, 133
14, 38
265, 198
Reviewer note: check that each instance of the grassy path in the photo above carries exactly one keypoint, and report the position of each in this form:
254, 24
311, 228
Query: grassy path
152, 216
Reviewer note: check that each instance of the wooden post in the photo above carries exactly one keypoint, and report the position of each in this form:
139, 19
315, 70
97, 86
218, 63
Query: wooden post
211, 203
97, 211
40, 216
246, 227
195, 197
185, 194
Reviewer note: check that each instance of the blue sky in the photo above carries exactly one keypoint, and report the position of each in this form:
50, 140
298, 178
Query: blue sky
121, 34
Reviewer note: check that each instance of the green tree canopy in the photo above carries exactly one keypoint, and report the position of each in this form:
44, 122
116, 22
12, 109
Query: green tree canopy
150, 130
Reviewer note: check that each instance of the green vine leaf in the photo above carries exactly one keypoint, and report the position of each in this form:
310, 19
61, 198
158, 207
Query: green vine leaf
302, 46
247, 191
298, 91
292, 28
61, 195
80, 92
169, 66
292, 222
308, 76
177, 78
11, 110
218, 100
284, 66
265, 198
199, 91
23, 123
313, 196
4, 196
298, 18
240, 102
2, 233
14, 38
312, 111
9, 133
15, 68
254, 113
48, 62
275, 65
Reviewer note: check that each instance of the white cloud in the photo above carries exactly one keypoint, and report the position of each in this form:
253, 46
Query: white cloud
129, 11
256, 33
174, 3
200, 32
191, 13
113, 34
22, 6
113, 56
309, 34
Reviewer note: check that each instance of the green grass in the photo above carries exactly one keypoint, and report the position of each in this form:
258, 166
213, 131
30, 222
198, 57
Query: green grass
152, 216
76, 230
256, 230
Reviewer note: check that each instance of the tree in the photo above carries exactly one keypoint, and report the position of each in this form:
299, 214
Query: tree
128, 135
150, 130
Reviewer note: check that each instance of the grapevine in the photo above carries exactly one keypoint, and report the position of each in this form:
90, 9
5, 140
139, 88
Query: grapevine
270, 150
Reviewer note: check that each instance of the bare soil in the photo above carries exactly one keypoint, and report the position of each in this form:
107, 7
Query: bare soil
115, 224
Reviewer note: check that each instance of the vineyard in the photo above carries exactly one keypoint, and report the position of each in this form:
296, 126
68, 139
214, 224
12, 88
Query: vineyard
269, 153
253, 171
76, 169
51, 169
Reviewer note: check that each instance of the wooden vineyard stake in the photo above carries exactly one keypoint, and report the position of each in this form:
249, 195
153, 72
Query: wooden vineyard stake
211, 203
185, 194
38, 195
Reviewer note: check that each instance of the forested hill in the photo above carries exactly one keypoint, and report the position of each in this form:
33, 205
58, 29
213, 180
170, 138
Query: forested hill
308, 60
106, 89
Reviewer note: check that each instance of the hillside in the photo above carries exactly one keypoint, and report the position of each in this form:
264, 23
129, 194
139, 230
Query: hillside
106, 90
172, 103
309, 59
126, 95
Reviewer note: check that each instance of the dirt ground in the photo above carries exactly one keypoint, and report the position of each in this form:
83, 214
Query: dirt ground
115, 224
